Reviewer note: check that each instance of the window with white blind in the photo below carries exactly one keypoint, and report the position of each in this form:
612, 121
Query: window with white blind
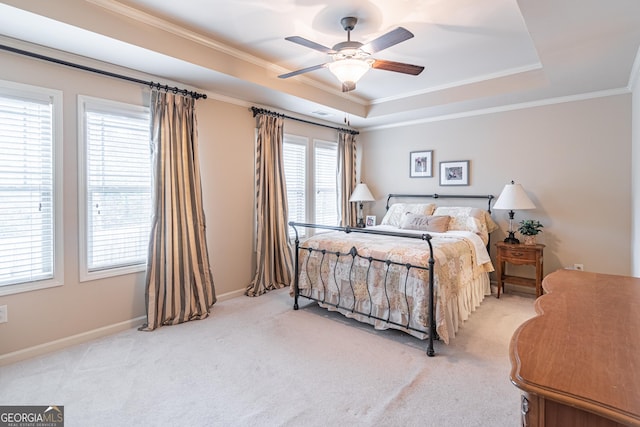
30, 188
325, 182
115, 188
310, 173
295, 171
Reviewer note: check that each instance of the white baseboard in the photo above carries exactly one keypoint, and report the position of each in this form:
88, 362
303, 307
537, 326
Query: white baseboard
61, 343
229, 295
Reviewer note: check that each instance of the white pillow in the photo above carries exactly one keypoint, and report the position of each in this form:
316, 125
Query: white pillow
398, 210
466, 218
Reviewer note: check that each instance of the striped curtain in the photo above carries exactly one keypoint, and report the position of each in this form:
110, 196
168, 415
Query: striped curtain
274, 262
179, 285
346, 177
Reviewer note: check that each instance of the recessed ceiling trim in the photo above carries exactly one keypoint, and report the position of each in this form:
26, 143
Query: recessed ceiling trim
483, 78
177, 30
154, 21
503, 108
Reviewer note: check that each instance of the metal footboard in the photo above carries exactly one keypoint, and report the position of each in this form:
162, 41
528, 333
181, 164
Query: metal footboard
353, 253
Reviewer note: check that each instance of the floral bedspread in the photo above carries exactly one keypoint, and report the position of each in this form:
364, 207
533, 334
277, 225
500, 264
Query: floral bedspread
395, 293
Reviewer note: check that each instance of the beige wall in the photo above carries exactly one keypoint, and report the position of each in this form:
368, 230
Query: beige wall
574, 160
226, 141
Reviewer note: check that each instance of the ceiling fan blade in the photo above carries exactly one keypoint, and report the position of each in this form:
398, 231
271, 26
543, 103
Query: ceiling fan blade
389, 39
308, 43
397, 67
301, 71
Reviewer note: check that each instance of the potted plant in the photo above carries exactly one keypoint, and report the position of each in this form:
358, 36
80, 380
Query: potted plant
529, 228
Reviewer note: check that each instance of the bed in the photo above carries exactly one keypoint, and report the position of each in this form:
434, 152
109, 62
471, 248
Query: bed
423, 270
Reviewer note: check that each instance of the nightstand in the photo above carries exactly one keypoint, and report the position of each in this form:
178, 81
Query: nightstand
519, 254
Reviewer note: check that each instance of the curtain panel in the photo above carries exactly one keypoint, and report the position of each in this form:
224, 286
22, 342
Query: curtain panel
346, 178
274, 261
179, 283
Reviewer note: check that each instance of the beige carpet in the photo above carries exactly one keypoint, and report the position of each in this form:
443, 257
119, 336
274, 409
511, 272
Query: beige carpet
257, 362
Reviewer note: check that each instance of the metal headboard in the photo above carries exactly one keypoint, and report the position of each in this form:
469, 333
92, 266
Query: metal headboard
489, 197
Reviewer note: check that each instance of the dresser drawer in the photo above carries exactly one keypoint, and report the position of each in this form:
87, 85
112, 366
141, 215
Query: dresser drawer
518, 254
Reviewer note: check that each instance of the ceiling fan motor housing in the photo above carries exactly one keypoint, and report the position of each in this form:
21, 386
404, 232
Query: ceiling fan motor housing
349, 23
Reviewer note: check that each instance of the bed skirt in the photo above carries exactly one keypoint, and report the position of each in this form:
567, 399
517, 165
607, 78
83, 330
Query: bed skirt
449, 315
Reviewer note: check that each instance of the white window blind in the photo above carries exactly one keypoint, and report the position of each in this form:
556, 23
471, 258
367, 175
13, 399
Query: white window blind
118, 186
310, 174
295, 169
26, 190
325, 172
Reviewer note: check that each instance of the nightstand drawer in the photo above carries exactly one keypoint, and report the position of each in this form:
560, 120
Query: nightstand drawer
517, 254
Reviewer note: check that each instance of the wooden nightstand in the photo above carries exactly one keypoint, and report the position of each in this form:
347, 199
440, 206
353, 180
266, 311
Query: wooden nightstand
519, 254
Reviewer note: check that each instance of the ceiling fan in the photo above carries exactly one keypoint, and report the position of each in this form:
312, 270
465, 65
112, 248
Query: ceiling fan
352, 59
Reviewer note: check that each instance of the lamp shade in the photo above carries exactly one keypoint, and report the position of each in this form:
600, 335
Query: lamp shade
361, 194
349, 70
513, 197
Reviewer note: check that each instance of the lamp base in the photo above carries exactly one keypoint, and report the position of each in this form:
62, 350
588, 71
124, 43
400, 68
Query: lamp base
360, 223
511, 238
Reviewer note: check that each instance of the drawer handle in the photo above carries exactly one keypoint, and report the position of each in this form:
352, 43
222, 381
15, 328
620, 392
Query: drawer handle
517, 253
524, 410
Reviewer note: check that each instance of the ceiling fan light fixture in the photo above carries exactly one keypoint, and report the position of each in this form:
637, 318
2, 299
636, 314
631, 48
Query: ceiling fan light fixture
350, 70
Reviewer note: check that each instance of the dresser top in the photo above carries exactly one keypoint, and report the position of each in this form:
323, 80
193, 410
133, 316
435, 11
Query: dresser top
583, 348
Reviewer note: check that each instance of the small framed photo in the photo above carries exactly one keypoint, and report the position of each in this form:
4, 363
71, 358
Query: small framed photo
454, 173
421, 164
371, 220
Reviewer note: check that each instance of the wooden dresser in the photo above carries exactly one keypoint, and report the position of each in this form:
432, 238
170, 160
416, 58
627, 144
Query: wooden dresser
578, 361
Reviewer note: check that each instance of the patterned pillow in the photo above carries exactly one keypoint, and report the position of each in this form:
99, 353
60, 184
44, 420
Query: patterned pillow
435, 224
398, 210
470, 219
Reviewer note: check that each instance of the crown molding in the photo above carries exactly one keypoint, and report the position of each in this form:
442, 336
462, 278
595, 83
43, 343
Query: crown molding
504, 108
192, 36
634, 76
479, 79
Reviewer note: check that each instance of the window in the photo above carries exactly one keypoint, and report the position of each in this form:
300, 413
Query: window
295, 172
30, 188
115, 186
311, 181
325, 181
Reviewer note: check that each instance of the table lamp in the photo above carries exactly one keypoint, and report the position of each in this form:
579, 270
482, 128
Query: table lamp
361, 194
513, 197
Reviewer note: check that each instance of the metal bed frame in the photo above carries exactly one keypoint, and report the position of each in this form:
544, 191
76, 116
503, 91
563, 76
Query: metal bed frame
353, 253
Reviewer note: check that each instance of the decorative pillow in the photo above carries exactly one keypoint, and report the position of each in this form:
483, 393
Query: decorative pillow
397, 211
491, 225
435, 224
465, 218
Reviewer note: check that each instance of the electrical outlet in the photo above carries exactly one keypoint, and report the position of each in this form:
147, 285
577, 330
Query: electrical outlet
579, 267
4, 314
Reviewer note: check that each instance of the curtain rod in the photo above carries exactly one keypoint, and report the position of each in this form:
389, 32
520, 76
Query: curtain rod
156, 85
257, 111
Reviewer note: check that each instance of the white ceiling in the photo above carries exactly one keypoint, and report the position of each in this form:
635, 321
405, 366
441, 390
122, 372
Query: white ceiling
478, 55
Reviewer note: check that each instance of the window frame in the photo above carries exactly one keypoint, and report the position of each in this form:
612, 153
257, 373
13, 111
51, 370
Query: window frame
55, 97
310, 187
108, 106
324, 144
303, 141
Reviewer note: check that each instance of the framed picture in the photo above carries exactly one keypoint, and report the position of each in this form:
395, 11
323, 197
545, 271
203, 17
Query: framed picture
454, 173
421, 164
371, 220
